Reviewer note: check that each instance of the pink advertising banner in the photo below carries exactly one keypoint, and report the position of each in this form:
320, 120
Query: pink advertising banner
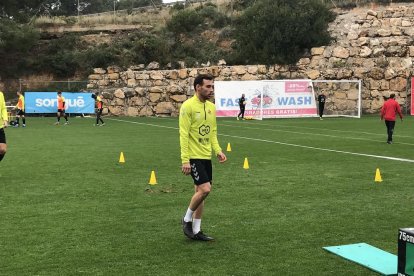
280, 98
412, 95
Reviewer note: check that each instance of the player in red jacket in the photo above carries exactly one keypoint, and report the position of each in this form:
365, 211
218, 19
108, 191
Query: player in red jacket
388, 112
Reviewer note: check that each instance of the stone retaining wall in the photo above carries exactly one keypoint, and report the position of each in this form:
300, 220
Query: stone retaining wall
374, 46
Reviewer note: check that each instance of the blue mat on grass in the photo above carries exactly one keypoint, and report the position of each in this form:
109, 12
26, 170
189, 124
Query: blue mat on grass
368, 256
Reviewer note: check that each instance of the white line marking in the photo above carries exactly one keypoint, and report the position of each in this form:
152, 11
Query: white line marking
282, 143
315, 134
315, 128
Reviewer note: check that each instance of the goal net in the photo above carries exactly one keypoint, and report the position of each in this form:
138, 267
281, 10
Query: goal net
11, 113
343, 97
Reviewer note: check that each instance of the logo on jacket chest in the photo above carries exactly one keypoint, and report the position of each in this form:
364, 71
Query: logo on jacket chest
204, 130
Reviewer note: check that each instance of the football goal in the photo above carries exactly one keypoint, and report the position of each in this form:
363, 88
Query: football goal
343, 97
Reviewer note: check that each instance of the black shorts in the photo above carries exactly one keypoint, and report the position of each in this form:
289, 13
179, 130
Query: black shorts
100, 111
61, 111
20, 112
201, 171
2, 136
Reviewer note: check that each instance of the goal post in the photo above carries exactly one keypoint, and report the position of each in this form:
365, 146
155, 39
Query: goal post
343, 97
11, 116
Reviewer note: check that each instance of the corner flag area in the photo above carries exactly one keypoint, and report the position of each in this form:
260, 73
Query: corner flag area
69, 206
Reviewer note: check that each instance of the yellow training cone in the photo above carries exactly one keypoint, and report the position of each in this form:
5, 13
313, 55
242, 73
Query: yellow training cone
246, 164
153, 179
121, 158
378, 177
228, 147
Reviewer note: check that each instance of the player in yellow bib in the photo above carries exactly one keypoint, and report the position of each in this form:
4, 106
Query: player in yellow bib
61, 108
4, 122
198, 138
20, 110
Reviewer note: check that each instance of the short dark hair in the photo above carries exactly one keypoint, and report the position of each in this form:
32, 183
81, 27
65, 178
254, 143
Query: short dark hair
392, 96
200, 78
59, 92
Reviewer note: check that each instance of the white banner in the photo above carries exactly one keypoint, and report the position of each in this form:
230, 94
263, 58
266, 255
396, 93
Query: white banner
281, 98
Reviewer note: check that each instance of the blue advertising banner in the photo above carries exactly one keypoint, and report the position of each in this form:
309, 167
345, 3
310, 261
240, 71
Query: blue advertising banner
46, 102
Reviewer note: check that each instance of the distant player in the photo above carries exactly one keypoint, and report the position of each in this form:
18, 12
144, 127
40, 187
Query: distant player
321, 100
20, 110
242, 106
61, 108
99, 105
4, 122
388, 112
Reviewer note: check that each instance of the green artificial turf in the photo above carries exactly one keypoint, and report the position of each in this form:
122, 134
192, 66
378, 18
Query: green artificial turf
67, 207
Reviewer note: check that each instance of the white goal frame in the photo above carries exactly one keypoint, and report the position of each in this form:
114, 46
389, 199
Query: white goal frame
329, 97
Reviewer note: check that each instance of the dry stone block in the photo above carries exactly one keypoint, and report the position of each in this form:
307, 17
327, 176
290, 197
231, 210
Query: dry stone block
249, 77
376, 73
119, 94
153, 66
138, 101
154, 97
116, 110
226, 72
131, 83
384, 32
113, 69
411, 51
156, 89
130, 74
103, 82
173, 75
193, 73
142, 76
340, 52
164, 108
146, 111
113, 76
95, 77
99, 71
156, 75
316, 51
365, 52
182, 73
174, 89
398, 84
239, 70
178, 98
261, 69
313, 74
132, 111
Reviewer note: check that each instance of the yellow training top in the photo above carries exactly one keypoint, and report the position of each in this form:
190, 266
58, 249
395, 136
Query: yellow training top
3, 110
198, 130
20, 103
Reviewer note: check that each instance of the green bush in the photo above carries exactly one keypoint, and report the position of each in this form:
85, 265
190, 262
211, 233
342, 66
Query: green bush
184, 21
279, 32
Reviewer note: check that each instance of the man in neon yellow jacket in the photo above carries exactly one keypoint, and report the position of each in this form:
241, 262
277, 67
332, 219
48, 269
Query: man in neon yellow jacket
3, 124
198, 138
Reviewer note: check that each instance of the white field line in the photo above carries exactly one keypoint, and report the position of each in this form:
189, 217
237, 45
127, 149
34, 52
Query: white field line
282, 143
315, 134
332, 130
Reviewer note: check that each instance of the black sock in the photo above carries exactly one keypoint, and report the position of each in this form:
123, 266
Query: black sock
24, 121
17, 120
58, 119
1, 156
